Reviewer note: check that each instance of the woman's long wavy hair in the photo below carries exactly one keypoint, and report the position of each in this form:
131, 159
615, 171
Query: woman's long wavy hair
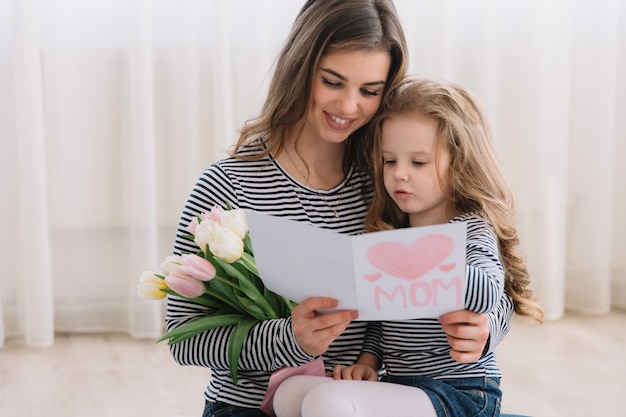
324, 27
476, 182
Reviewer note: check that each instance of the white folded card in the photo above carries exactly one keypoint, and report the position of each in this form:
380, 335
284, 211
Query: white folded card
417, 272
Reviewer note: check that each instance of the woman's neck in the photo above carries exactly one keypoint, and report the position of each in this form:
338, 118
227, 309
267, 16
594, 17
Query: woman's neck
316, 163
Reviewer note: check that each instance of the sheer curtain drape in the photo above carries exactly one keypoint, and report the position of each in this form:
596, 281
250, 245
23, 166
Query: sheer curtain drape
110, 110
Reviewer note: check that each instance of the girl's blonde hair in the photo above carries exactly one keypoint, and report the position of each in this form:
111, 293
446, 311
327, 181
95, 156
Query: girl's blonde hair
324, 27
476, 182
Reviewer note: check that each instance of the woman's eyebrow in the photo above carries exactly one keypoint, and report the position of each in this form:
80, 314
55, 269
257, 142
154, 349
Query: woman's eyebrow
342, 78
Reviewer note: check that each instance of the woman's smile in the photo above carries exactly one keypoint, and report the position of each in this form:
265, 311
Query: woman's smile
339, 123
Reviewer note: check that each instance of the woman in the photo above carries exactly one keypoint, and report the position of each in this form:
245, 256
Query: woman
303, 158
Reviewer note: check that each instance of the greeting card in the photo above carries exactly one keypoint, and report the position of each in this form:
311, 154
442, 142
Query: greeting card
416, 272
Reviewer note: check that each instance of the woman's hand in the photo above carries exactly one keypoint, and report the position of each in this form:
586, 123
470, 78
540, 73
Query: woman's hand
467, 334
315, 330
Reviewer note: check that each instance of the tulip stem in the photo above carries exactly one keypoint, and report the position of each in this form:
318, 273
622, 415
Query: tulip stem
249, 263
251, 292
221, 298
228, 282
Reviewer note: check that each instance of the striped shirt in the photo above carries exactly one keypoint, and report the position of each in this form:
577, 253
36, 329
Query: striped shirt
419, 346
265, 186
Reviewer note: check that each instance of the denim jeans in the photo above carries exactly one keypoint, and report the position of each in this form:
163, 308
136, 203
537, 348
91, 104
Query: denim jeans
463, 397
219, 409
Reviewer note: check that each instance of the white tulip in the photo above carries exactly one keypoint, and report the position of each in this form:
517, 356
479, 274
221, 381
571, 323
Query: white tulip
235, 221
150, 286
205, 233
226, 245
170, 264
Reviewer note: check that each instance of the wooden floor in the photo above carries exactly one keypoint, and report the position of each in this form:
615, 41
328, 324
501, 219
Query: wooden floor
574, 367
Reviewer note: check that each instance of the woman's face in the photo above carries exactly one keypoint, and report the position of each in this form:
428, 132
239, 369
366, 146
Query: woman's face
347, 91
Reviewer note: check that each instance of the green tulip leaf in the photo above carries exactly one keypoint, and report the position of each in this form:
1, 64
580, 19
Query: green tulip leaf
196, 326
235, 344
207, 302
253, 309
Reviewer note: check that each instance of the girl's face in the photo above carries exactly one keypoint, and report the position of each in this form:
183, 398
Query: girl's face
346, 92
409, 172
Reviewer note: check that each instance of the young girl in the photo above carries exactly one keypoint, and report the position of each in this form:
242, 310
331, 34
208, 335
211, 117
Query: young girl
434, 162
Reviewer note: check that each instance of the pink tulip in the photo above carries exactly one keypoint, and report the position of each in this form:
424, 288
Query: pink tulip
213, 215
197, 267
184, 285
192, 225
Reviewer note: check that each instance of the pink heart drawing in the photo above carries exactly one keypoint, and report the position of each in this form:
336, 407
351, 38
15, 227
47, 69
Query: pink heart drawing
373, 277
413, 261
447, 267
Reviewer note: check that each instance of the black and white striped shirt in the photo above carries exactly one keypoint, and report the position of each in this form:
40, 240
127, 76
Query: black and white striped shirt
265, 187
419, 346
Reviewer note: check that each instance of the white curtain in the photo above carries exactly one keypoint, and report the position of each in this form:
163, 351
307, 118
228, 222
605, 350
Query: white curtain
110, 110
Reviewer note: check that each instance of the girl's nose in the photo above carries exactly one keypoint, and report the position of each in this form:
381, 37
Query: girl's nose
400, 173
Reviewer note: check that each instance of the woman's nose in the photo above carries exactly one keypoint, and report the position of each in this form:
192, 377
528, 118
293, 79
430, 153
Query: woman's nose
348, 102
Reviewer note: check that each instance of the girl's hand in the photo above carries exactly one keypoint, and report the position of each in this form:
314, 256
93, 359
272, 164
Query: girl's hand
315, 331
467, 334
357, 371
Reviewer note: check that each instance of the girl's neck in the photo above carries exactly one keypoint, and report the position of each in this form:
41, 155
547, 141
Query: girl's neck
431, 218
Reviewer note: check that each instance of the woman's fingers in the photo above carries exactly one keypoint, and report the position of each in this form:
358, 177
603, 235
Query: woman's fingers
316, 326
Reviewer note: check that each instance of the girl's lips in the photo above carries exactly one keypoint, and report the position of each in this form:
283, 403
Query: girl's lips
401, 194
338, 123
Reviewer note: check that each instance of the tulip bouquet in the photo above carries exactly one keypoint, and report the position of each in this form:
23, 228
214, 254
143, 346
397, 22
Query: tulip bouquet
222, 277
